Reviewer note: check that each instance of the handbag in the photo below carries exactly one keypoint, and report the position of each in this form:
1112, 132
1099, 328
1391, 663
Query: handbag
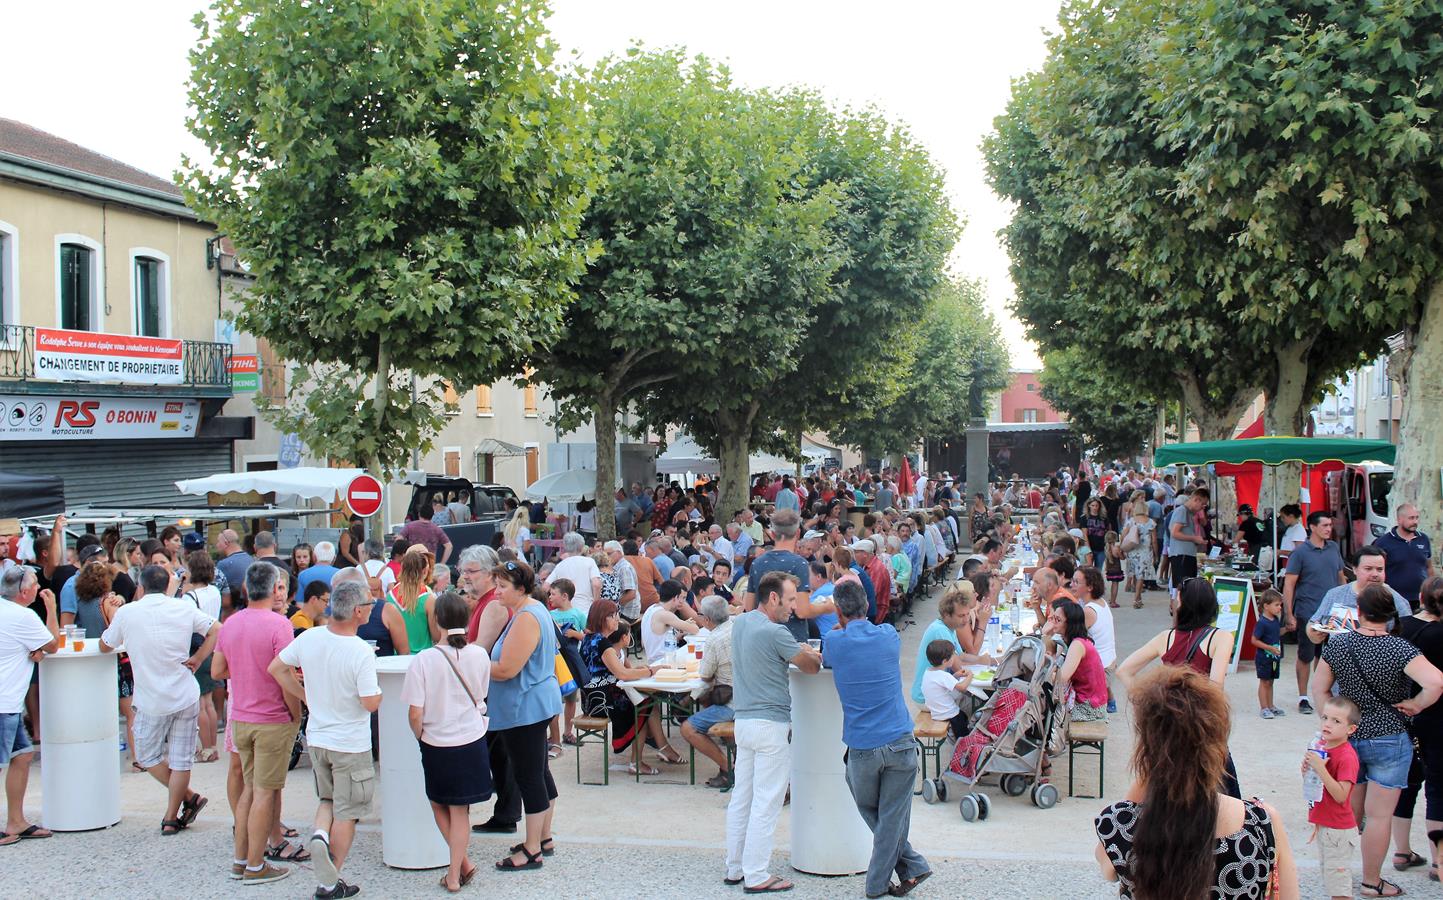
564, 677
1130, 539
196, 640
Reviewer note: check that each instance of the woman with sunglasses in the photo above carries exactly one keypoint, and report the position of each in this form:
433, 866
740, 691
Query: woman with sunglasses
525, 697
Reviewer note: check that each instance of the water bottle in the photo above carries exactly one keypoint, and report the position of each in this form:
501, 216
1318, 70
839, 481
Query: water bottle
989, 639
1016, 614
668, 646
1312, 781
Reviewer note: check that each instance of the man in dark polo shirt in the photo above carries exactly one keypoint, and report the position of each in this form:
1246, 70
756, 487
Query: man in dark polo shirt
1314, 568
1410, 555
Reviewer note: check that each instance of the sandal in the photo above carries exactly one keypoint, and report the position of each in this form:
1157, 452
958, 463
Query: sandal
569, 739
289, 832
907, 885
674, 759
1410, 860
552, 750
1381, 889
190, 807
645, 769
137, 767
548, 847
1137, 604
169, 827
509, 864
35, 832
285, 851
773, 885
467, 876
207, 756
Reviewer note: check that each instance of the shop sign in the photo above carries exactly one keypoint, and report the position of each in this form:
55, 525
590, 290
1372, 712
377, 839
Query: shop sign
245, 373
62, 355
26, 418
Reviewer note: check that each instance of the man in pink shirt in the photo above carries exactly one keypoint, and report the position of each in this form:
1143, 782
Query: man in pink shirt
263, 717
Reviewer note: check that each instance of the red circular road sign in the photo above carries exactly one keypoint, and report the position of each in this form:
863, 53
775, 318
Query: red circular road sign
363, 496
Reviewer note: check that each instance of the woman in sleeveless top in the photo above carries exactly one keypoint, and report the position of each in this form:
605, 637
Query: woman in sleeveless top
1081, 668
414, 600
1173, 834
525, 697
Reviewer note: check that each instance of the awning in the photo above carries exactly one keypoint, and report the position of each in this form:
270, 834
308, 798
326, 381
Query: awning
1274, 451
496, 447
684, 454
308, 482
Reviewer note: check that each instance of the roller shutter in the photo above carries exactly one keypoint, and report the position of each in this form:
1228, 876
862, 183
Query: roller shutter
120, 473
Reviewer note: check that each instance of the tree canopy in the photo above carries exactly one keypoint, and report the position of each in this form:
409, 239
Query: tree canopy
1103, 405
405, 180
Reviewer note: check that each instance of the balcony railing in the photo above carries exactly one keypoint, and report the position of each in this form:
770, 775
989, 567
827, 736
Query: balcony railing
204, 368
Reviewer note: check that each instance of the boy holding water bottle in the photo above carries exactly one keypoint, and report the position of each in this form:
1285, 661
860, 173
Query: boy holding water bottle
1335, 764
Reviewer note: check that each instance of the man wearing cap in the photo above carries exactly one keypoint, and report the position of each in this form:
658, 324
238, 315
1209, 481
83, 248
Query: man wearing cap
810, 543
1251, 530
865, 553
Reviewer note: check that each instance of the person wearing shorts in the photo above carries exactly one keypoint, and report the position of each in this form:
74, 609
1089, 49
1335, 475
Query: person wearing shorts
155, 630
262, 721
24, 638
716, 671
341, 692
1314, 568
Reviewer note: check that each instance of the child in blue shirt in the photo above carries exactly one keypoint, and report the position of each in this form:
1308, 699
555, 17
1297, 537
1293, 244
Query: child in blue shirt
1268, 642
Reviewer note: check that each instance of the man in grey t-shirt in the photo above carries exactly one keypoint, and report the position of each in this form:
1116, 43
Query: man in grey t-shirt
1314, 568
762, 649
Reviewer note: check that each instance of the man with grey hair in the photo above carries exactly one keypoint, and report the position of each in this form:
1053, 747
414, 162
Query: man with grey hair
783, 557
629, 601
232, 561
656, 551
265, 543
155, 631
716, 672
323, 571
580, 569
342, 692
877, 729
440, 578
373, 563
24, 640
741, 544
721, 547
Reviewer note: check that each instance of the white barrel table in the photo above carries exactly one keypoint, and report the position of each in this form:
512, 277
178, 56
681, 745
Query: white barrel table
828, 834
79, 720
409, 836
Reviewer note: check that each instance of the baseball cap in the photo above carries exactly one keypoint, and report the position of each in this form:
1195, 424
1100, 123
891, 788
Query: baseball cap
813, 534
864, 545
1244, 508
88, 553
1076, 533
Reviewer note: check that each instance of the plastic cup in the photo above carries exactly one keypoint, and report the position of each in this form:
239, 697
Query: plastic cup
815, 644
77, 641
60, 638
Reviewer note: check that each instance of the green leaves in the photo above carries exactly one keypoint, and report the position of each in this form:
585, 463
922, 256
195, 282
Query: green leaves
394, 169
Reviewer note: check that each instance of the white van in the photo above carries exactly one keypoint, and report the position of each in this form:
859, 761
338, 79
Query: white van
1358, 496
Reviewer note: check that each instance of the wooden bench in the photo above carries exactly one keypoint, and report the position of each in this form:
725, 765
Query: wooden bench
1087, 739
930, 736
593, 730
726, 732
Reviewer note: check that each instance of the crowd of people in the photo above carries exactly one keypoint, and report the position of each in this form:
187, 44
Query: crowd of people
234, 648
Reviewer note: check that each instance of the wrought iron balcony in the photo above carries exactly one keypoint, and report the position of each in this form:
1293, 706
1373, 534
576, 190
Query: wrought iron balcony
204, 367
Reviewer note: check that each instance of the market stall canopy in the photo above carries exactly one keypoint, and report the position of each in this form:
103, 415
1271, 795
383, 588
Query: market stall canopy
496, 447
570, 486
1274, 451
31, 495
308, 482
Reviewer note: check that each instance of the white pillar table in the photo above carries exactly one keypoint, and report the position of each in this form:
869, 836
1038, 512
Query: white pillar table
409, 836
79, 721
828, 834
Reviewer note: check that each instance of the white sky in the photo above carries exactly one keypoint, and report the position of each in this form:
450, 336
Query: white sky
116, 81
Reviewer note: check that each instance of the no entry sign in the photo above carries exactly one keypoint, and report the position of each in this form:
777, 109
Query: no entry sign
363, 496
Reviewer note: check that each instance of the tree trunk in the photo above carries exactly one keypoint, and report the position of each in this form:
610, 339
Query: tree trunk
1420, 438
734, 432
1283, 415
1225, 501
603, 421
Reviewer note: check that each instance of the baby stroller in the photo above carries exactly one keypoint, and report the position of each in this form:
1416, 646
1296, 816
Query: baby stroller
1016, 730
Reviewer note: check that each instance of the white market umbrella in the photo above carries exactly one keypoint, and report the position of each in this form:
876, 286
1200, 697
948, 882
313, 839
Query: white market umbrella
308, 482
570, 486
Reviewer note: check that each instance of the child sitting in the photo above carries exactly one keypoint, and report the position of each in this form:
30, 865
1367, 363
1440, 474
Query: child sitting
943, 690
1335, 828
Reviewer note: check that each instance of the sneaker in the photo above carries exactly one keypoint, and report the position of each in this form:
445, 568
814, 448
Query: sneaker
1305, 707
1279, 712
1267, 713
1112, 706
322, 864
266, 875
237, 871
340, 890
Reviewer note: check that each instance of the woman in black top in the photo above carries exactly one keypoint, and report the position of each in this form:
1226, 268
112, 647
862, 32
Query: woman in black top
1377, 671
1423, 630
1096, 526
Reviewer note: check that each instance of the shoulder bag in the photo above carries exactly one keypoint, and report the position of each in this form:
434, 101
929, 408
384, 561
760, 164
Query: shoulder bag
452, 663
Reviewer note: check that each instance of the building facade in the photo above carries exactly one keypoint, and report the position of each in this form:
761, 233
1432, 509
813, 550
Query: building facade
1022, 401
110, 372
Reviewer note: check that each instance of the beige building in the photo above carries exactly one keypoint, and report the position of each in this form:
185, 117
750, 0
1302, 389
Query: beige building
110, 373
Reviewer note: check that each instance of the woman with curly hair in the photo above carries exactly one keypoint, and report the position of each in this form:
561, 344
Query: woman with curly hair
1173, 836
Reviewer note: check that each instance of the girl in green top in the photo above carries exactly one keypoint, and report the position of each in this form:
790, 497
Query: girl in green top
414, 600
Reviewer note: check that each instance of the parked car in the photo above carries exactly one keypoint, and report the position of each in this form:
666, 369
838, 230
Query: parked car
490, 506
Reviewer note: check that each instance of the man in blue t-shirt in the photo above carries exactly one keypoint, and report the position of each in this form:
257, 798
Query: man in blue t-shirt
783, 557
1410, 554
